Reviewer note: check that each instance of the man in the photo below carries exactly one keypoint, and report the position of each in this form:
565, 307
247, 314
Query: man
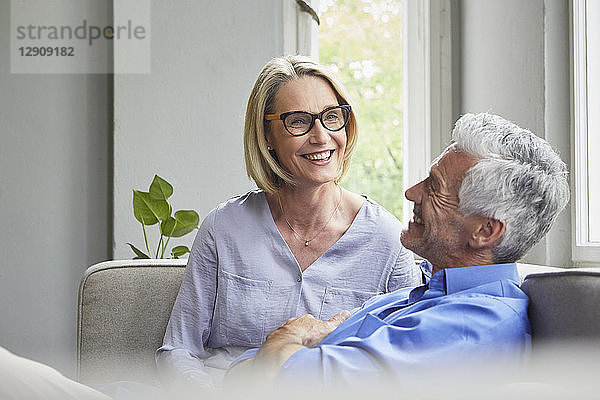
489, 197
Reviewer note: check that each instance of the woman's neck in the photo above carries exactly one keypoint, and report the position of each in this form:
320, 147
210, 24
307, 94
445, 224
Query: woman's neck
307, 208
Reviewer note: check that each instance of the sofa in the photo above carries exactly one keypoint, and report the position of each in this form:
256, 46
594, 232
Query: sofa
124, 307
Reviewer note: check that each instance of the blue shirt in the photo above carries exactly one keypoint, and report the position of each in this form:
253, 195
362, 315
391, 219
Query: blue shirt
475, 314
242, 282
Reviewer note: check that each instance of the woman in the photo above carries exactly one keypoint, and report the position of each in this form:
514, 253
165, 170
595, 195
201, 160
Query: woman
300, 244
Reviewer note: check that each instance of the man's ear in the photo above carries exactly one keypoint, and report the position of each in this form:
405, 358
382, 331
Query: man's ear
486, 232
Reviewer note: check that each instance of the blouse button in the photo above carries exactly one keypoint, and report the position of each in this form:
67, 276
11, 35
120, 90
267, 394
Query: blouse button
299, 278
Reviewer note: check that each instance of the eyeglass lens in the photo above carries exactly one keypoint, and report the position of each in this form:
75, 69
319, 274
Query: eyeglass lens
300, 122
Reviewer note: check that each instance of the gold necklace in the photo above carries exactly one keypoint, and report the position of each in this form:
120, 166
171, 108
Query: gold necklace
307, 241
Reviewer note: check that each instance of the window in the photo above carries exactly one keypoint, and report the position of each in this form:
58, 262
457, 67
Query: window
393, 56
362, 42
586, 94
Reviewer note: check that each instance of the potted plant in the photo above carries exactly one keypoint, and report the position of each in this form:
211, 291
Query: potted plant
152, 208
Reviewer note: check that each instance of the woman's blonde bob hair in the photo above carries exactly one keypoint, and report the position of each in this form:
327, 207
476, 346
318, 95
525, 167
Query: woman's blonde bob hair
261, 165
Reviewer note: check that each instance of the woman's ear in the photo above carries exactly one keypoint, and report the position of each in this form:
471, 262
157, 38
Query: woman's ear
268, 137
269, 145
486, 232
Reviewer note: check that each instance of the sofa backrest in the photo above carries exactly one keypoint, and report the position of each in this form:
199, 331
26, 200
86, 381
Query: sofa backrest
564, 305
123, 310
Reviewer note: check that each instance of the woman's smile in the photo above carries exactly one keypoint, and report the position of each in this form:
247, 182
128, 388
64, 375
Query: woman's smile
320, 157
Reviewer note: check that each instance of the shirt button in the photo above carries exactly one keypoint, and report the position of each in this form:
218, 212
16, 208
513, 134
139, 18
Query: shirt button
299, 278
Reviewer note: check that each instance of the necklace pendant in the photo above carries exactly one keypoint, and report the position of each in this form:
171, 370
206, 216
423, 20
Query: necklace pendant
306, 243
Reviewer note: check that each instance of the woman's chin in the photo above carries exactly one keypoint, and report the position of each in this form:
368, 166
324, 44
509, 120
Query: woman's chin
316, 179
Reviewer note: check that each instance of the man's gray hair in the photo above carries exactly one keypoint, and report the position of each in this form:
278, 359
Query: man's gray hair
519, 178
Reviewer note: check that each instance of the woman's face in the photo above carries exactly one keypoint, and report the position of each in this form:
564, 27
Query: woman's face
316, 157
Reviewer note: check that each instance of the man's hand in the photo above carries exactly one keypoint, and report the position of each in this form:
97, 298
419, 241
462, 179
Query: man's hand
297, 333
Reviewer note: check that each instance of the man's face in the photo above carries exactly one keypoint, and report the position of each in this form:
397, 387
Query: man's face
438, 232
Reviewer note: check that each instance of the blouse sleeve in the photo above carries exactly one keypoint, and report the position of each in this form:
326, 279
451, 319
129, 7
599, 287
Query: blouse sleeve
405, 272
181, 357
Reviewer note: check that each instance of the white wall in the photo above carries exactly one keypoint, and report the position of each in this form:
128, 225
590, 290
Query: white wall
54, 196
557, 117
184, 121
502, 59
514, 61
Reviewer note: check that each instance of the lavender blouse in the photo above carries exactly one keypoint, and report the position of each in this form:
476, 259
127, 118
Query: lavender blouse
242, 282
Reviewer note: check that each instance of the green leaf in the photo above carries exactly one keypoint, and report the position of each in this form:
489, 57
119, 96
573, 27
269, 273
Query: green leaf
184, 222
178, 251
140, 254
160, 189
149, 211
168, 227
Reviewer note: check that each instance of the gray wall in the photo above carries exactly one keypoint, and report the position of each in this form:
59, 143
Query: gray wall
54, 192
514, 61
58, 193
184, 121
502, 59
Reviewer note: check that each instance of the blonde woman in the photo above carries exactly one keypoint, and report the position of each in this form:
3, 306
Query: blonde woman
299, 244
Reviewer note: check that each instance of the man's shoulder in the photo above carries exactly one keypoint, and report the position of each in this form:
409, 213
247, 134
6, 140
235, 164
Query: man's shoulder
500, 290
389, 298
496, 301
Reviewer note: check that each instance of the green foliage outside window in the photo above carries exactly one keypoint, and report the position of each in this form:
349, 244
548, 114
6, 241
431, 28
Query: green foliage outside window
362, 42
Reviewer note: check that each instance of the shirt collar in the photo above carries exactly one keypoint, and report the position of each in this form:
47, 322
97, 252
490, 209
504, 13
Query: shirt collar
426, 269
457, 279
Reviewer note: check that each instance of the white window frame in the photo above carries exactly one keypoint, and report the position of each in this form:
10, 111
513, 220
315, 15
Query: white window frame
430, 78
584, 250
430, 87
300, 30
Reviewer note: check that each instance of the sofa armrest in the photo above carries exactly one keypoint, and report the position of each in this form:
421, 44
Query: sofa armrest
123, 310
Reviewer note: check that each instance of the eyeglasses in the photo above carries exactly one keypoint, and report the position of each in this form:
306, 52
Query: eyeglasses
299, 123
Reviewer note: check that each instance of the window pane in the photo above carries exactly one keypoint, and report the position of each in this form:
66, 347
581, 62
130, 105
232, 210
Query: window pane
593, 123
362, 42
